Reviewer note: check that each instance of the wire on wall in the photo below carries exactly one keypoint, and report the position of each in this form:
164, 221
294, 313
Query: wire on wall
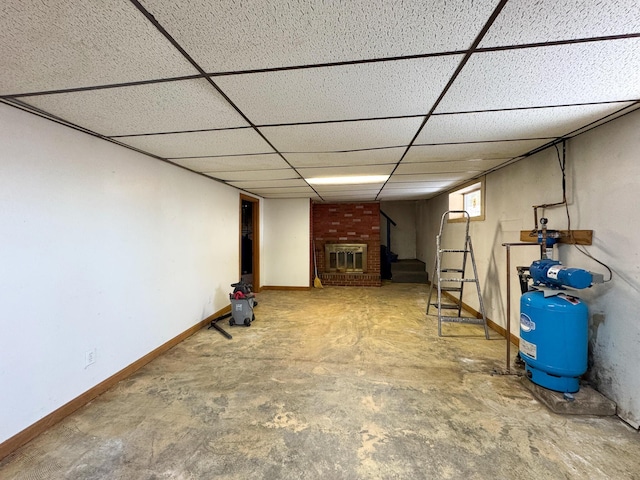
580, 248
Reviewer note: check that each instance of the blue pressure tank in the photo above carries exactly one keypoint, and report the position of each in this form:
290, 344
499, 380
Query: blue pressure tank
553, 339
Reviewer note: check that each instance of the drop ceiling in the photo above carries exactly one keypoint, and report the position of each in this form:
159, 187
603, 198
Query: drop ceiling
264, 95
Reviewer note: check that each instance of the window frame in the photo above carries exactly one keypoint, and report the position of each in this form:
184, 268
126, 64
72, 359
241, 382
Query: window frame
456, 200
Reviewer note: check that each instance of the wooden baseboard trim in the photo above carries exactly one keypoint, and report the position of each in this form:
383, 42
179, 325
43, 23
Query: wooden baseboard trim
503, 331
276, 287
21, 438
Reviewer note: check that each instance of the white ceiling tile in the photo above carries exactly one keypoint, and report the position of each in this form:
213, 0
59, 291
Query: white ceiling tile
285, 193
57, 44
404, 191
623, 111
273, 195
423, 179
283, 190
469, 151
240, 175
416, 186
428, 179
231, 36
547, 76
512, 124
449, 166
549, 20
418, 183
433, 177
230, 164
412, 195
258, 184
363, 157
346, 171
398, 88
66, 43
154, 108
332, 137
200, 144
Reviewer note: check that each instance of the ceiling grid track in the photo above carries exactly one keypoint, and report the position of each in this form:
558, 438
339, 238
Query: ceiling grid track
324, 65
461, 65
182, 51
61, 121
268, 96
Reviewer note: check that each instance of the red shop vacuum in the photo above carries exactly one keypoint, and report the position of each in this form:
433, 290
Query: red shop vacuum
243, 301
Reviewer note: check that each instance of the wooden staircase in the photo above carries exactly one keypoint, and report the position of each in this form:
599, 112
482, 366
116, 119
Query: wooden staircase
409, 271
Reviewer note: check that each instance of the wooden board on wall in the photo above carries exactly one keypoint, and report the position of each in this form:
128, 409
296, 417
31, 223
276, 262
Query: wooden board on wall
580, 237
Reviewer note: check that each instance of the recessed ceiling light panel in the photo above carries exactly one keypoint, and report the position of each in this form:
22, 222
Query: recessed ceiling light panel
349, 180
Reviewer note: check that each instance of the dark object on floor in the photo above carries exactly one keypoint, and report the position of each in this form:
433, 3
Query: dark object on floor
219, 329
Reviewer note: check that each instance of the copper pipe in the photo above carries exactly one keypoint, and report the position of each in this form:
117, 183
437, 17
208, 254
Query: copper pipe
508, 333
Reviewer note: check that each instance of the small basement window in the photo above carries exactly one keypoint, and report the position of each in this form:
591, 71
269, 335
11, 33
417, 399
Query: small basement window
469, 197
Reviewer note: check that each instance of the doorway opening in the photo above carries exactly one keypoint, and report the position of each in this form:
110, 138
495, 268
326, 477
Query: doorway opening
249, 241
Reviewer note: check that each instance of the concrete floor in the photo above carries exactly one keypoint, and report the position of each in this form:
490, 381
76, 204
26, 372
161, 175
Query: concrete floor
337, 383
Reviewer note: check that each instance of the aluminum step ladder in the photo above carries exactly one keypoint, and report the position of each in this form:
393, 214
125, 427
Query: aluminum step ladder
452, 280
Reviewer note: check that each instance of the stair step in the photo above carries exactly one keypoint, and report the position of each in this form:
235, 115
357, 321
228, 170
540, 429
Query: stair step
409, 277
409, 271
472, 320
410, 267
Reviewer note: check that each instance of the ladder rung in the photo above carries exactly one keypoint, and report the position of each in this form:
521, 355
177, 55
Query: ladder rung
450, 289
458, 280
446, 306
472, 320
451, 270
453, 250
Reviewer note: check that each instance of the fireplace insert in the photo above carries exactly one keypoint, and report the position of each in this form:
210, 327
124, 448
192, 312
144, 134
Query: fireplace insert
345, 257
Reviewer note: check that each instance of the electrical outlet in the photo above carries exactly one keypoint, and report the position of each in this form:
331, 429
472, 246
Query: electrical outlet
89, 357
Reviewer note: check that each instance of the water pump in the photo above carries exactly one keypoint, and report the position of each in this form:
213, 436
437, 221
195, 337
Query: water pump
553, 274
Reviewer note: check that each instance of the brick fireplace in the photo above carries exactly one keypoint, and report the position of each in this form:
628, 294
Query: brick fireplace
343, 226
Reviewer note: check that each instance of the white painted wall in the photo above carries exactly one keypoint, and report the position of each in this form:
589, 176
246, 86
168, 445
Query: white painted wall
286, 239
603, 174
103, 248
403, 235
606, 163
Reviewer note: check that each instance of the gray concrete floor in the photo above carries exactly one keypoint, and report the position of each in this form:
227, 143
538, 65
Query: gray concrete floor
334, 383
